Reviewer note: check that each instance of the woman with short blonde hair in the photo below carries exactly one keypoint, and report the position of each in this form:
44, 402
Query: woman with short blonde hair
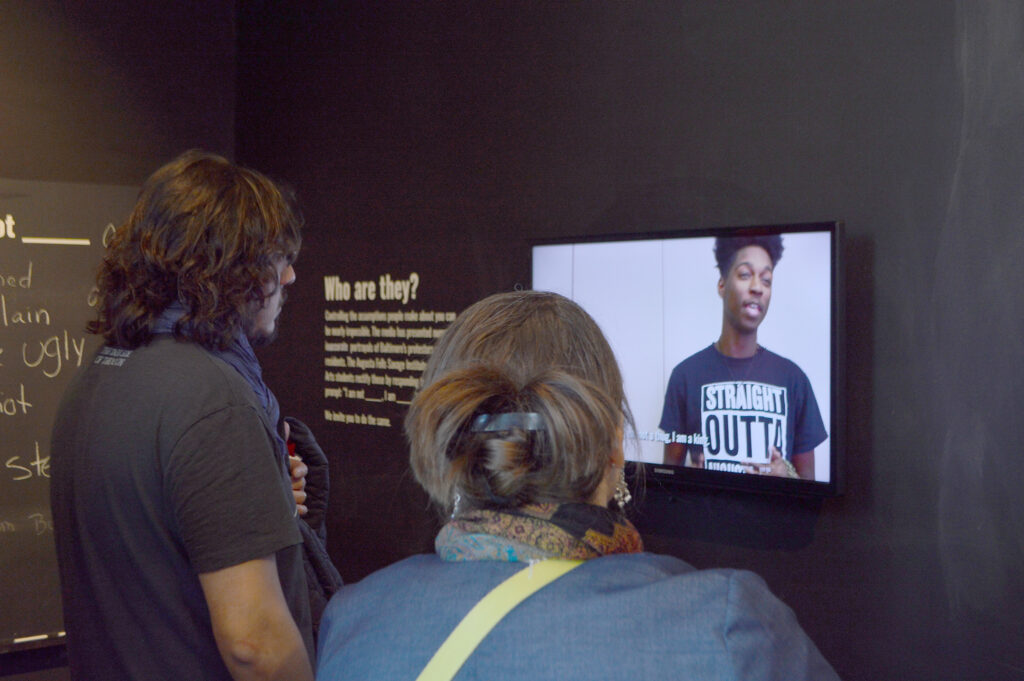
516, 434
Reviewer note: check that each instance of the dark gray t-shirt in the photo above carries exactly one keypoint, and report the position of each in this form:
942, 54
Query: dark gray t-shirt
163, 467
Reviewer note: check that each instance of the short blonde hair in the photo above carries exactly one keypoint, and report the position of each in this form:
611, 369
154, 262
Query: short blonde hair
204, 232
523, 351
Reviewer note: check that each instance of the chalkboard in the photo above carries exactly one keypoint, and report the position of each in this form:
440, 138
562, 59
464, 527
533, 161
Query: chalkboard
51, 241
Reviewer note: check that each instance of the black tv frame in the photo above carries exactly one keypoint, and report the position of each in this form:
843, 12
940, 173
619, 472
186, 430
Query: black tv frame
659, 475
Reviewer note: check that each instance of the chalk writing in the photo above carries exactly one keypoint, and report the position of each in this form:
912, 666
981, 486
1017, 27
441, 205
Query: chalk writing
108, 234
41, 524
7, 227
35, 523
14, 405
51, 241
9, 316
37, 467
14, 281
51, 354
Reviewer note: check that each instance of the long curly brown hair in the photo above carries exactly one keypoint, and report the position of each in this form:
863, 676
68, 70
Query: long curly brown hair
204, 232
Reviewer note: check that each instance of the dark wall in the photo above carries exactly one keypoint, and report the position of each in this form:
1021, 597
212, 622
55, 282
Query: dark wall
103, 93
429, 134
441, 136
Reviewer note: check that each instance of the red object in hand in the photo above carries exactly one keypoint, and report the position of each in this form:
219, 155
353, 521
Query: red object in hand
291, 449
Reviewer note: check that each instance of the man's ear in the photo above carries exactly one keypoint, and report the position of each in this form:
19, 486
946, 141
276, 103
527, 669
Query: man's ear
721, 288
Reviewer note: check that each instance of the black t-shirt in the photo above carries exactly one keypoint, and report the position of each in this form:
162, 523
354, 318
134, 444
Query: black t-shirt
737, 409
163, 467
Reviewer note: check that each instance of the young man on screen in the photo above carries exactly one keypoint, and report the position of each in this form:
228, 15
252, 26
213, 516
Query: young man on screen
736, 406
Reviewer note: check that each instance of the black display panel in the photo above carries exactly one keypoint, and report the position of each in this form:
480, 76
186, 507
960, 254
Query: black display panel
722, 420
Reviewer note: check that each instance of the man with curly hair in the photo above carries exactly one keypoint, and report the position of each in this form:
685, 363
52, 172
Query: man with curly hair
176, 516
737, 406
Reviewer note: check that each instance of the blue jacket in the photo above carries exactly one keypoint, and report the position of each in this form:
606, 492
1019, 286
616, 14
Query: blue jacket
627, 616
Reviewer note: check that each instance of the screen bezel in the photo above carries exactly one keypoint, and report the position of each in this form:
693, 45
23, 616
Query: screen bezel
658, 475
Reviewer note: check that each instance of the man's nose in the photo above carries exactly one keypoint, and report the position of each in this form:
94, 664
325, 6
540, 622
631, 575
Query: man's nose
287, 275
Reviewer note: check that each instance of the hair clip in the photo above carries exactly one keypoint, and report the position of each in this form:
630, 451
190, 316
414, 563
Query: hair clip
490, 423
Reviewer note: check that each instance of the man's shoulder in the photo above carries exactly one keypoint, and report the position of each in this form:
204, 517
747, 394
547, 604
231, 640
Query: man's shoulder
699, 358
694, 367
781, 363
183, 369
166, 348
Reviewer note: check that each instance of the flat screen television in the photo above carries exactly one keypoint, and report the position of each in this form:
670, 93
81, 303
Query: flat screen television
713, 405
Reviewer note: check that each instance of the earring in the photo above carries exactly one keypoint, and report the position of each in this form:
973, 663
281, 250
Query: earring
621, 494
455, 505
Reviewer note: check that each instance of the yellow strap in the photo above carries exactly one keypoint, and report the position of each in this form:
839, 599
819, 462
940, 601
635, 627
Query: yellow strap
464, 639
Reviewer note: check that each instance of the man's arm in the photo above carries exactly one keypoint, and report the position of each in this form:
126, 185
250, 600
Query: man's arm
675, 453
804, 464
254, 629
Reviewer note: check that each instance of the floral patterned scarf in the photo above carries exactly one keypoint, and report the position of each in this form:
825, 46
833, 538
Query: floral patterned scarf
575, 530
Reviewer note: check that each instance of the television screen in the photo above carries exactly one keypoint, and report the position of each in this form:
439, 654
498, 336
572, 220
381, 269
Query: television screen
727, 341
